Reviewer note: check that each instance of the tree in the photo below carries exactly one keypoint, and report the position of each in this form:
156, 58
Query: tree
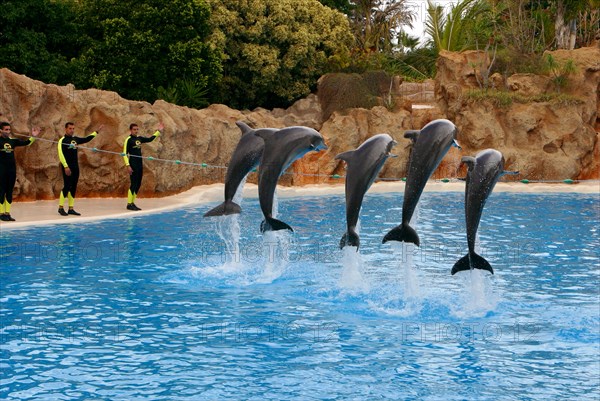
340, 5
38, 38
466, 24
137, 46
376, 23
275, 50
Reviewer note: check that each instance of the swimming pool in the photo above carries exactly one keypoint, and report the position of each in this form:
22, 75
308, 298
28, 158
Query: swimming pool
154, 307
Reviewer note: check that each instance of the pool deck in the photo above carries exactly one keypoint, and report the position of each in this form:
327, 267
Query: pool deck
40, 213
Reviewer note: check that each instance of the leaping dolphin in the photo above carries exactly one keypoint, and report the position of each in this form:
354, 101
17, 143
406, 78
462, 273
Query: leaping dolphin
364, 163
430, 145
484, 171
282, 148
246, 156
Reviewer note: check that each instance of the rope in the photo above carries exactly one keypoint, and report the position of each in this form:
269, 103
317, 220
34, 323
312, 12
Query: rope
329, 176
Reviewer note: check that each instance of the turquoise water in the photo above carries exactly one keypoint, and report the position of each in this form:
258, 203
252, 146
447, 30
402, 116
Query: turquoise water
155, 307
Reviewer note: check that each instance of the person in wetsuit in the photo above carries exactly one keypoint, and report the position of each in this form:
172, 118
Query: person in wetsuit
132, 150
69, 165
8, 166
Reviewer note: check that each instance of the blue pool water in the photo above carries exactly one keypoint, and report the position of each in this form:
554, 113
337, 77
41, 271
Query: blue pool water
155, 307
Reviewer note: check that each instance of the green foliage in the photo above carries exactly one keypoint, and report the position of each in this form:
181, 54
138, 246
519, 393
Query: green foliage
38, 38
559, 72
185, 92
340, 91
137, 46
340, 5
509, 61
465, 25
275, 50
377, 23
502, 99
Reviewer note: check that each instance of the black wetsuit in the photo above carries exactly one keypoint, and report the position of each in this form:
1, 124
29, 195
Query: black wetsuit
132, 148
67, 153
8, 166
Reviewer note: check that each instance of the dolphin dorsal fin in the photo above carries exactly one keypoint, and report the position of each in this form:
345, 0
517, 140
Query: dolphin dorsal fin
346, 156
412, 134
469, 161
245, 128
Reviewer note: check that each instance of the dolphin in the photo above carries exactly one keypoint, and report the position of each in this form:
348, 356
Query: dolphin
364, 163
282, 148
246, 156
484, 171
430, 145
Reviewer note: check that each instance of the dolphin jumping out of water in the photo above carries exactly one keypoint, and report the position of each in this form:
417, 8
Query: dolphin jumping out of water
484, 171
364, 164
282, 148
246, 156
430, 145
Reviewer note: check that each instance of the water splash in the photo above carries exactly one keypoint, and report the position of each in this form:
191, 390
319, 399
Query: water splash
478, 296
276, 246
352, 279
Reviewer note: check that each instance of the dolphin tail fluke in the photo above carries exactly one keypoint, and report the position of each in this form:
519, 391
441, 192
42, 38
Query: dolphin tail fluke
402, 233
225, 208
350, 238
473, 260
271, 224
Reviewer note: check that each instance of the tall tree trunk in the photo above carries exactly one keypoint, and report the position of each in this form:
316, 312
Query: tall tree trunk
565, 32
560, 28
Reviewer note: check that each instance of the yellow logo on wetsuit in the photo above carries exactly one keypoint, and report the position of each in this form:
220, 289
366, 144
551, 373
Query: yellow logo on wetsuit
73, 144
138, 144
8, 148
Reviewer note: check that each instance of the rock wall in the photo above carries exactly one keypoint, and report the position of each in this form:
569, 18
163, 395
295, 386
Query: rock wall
545, 141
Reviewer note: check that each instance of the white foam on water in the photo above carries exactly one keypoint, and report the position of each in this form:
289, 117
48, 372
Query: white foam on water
352, 280
275, 245
478, 296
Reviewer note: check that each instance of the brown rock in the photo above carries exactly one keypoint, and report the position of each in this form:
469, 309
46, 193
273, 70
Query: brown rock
529, 84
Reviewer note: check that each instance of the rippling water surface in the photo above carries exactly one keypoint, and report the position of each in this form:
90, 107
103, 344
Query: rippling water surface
161, 307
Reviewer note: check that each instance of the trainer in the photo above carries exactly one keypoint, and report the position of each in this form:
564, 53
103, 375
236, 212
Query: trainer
132, 150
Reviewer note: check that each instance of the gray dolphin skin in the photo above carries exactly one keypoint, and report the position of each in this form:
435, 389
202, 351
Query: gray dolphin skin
430, 145
282, 148
246, 156
363, 165
484, 171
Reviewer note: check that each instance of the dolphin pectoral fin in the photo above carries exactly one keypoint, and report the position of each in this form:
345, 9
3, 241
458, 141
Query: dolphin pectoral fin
455, 144
411, 134
350, 238
271, 224
224, 209
392, 155
346, 156
510, 173
474, 261
402, 233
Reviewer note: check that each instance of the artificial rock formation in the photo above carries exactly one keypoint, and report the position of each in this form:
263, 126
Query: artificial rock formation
544, 141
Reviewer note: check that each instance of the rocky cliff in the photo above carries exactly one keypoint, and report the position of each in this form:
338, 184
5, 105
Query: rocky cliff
544, 140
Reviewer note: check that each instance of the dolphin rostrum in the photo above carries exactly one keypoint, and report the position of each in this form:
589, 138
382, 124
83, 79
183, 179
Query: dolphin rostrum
282, 148
484, 171
246, 156
364, 163
430, 145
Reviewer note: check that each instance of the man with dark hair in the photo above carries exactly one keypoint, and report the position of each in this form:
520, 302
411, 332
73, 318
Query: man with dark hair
69, 165
132, 155
8, 166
